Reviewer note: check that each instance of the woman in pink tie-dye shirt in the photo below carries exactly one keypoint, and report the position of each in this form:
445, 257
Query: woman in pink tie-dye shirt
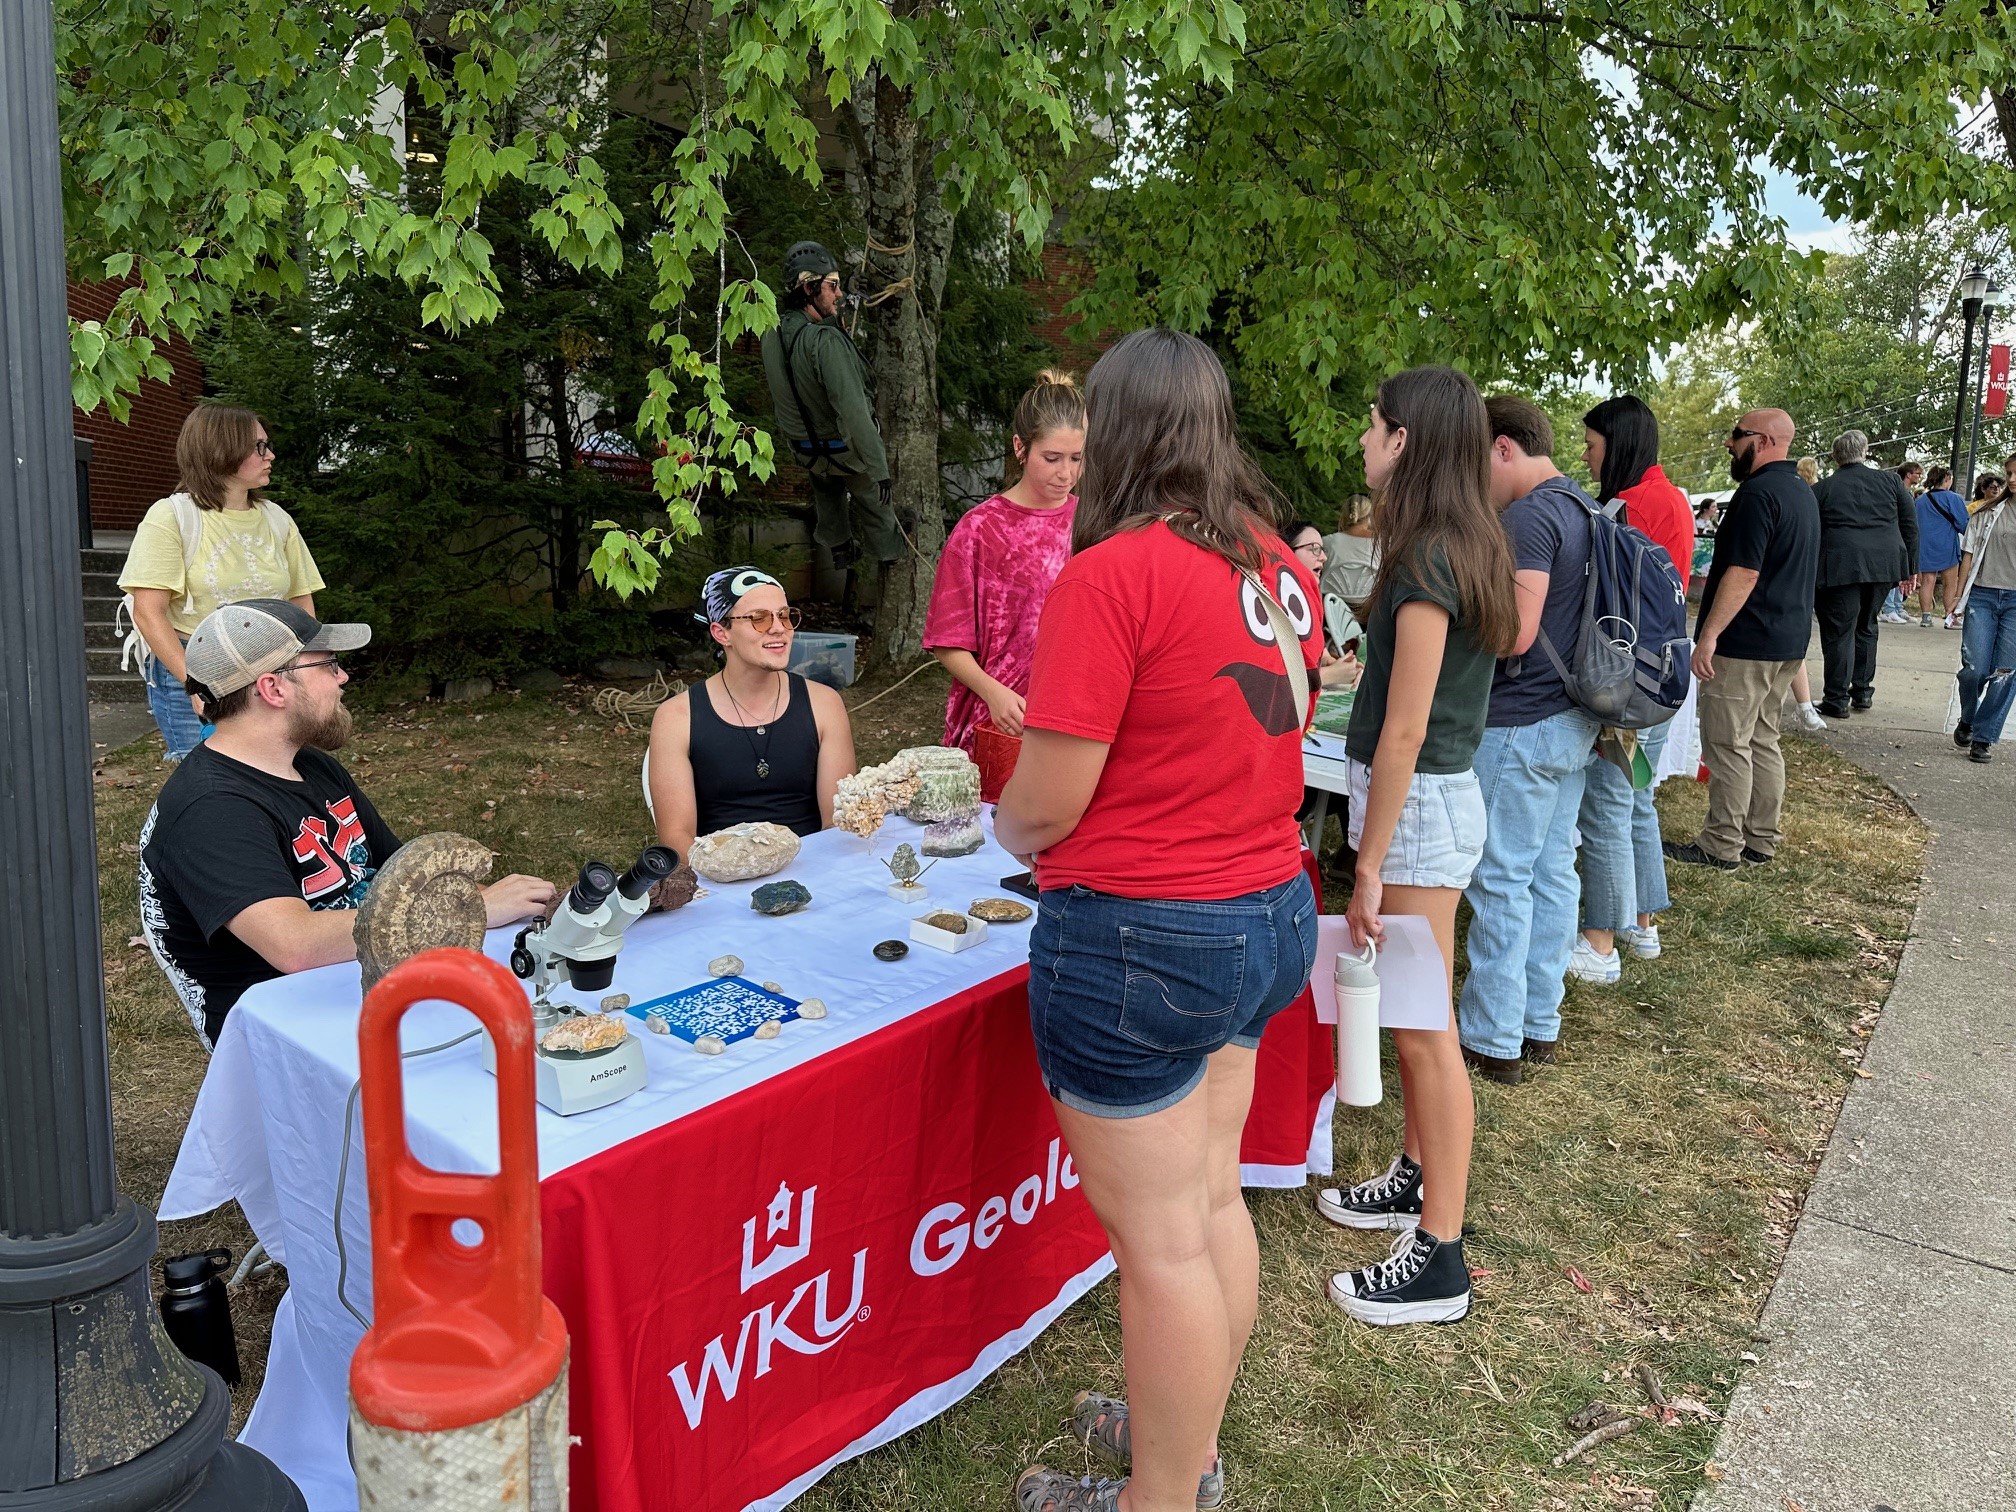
1000, 561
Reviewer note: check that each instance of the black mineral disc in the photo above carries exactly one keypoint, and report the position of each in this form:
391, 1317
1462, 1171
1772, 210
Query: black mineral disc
891, 950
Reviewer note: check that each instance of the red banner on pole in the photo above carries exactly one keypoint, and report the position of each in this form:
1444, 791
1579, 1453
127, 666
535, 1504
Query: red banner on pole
1998, 382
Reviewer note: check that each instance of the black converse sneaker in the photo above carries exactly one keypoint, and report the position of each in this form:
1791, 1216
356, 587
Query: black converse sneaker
1423, 1280
1391, 1200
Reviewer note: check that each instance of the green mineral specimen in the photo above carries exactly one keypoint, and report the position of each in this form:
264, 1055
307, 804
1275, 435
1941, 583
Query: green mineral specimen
780, 897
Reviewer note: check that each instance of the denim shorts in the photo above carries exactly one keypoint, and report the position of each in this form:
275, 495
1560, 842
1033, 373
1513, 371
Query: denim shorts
1440, 836
1129, 996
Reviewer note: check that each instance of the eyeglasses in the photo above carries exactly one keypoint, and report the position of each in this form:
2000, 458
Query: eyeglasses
770, 619
334, 664
831, 280
1737, 433
1315, 547
262, 448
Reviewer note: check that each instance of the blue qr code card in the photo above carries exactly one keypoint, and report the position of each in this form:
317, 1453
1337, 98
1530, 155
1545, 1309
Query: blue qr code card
728, 1008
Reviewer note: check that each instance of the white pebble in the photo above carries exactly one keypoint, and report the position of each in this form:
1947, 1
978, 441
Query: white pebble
725, 966
657, 1025
772, 987
616, 1002
768, 1029
709, 1044
812, 1008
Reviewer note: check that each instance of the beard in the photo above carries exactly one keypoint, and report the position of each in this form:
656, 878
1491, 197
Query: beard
1741, 465
324, 732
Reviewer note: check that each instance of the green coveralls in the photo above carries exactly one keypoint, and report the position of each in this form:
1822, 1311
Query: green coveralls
833, 434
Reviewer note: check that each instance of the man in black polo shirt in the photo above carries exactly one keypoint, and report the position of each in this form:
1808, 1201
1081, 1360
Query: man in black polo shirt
260, 844
1756, 617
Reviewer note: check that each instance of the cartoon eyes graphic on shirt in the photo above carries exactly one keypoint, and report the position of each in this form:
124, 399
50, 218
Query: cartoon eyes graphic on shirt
1254, 608
1288, 593
1268, 696
1295, 602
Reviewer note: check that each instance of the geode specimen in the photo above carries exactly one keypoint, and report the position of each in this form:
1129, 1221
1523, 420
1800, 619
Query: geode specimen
780, 897
999, 910
946, 792
957, 836
676, 891
585, 1032
743, 851
429, 894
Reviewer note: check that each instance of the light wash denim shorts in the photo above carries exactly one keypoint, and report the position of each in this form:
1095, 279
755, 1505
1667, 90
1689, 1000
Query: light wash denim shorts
1440, 836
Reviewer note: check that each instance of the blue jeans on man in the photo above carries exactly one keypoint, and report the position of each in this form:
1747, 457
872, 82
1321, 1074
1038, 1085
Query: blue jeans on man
1987, 661
1623, 866
1525, 899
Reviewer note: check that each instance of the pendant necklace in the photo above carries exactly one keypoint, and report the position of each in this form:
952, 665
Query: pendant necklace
762, 756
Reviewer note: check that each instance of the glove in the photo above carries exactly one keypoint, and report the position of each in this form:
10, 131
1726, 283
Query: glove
887, 490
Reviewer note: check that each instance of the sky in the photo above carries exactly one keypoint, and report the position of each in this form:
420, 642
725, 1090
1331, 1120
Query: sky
1807, 225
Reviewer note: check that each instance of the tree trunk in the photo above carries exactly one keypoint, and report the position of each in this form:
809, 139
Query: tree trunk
2005, 118
566, 543
903, 360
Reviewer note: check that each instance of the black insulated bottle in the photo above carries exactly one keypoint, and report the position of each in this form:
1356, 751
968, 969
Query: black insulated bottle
196, 1312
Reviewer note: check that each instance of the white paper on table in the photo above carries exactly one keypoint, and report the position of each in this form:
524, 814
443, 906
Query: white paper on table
1323, 743
1413, 984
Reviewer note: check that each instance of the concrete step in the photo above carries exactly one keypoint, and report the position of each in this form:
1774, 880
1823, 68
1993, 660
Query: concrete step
98, 584
99, 633
103, 561
116, 687
105, 659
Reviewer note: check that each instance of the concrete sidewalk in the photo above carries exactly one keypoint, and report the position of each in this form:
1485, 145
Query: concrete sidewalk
1889, 1375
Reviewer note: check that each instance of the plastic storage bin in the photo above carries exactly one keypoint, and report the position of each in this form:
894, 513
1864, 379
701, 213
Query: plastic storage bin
824, 658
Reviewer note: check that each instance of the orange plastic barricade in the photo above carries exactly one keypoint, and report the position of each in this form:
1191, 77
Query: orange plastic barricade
458, 1394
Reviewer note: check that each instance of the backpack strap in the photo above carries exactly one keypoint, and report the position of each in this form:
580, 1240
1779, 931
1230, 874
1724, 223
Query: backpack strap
1287, 642
189, 525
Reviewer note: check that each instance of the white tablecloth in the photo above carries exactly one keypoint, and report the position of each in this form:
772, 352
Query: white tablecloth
268, 1127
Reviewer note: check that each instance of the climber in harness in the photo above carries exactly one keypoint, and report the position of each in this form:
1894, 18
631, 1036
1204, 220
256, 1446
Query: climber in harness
825, 415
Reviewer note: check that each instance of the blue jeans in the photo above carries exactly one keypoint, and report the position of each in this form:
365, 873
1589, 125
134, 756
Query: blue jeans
1524, 896
1128, 997
1987, 657
168, 700
1893, 602
1623, 867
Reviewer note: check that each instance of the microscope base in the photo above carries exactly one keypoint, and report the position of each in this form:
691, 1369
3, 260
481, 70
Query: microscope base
578, 1086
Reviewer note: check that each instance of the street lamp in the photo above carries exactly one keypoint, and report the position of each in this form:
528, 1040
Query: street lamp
97, 1408
1973, 289
1991, 300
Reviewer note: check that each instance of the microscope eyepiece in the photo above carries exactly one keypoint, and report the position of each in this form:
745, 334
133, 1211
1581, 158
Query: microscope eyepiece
653, 867
598, 880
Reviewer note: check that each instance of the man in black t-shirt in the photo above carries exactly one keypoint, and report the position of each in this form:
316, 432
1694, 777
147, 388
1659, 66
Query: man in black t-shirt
1756, 618
260, 844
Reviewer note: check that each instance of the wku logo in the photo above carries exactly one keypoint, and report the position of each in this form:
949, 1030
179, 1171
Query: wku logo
786, 1325
314, 846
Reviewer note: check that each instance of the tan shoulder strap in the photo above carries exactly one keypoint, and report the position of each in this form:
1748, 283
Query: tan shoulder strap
1289, 643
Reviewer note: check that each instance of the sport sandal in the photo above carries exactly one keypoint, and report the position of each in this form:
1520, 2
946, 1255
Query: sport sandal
1100, 1424
1038, 1489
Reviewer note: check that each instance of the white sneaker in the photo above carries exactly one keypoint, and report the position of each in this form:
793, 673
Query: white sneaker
1898, 617
1642, 943
1587, 966
1807, 718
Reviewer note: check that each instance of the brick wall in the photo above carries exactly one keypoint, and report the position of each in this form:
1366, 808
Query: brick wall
133, 464
1065, 274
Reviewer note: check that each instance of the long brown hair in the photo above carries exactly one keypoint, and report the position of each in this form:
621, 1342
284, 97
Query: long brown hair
215, 441
1435, 514
1161, 442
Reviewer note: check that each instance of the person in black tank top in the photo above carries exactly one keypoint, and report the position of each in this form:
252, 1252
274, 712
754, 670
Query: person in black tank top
754, 742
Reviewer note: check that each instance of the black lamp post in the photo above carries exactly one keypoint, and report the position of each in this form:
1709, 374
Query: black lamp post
1991, 300
97, 1409
1973, 289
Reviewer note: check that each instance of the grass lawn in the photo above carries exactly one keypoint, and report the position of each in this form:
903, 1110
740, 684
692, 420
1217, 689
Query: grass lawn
1628, 1205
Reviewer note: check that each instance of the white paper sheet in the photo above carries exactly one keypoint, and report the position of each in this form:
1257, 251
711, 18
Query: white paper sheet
1413, 984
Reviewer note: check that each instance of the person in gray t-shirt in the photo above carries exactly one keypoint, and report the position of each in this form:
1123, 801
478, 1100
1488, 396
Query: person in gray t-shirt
1988, 633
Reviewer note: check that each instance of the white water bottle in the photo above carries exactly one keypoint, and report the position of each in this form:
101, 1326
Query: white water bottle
1357, 1028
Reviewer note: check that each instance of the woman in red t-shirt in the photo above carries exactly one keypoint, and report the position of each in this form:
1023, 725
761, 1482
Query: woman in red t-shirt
999, 562
1623, 866
1160, 772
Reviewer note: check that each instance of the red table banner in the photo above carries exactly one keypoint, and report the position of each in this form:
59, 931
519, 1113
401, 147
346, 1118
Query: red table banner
1997, 399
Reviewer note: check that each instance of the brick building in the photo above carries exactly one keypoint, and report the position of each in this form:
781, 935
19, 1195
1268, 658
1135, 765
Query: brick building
133, 464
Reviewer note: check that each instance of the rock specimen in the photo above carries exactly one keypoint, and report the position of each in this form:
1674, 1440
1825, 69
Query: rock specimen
951, 923
768, 1029
932, 758
710, 1044
676, 891
958, 836
585, 1032
903, 865
428, 894
772, 987
743, 851
867, 797
888, 950
616, 1002
725, 966
946, 792
812, 1008
780, 897
1000, 910
656, 1025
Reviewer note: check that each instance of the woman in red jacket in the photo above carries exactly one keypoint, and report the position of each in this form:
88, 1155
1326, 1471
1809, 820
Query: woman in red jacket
1623, 868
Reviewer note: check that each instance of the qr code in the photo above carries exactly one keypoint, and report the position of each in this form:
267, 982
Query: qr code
727, 1008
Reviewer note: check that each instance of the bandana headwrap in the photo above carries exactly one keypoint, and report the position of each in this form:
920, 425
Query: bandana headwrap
724, 589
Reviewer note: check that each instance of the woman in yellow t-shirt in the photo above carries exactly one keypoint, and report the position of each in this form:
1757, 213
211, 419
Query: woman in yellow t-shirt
242, 548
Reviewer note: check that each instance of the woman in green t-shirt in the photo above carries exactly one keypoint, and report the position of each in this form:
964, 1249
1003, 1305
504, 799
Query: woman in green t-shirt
1441, 612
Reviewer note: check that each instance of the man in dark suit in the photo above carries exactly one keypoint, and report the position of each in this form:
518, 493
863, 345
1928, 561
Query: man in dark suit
1868, 545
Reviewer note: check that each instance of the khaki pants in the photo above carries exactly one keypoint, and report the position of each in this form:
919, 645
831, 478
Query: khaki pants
1739, 708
